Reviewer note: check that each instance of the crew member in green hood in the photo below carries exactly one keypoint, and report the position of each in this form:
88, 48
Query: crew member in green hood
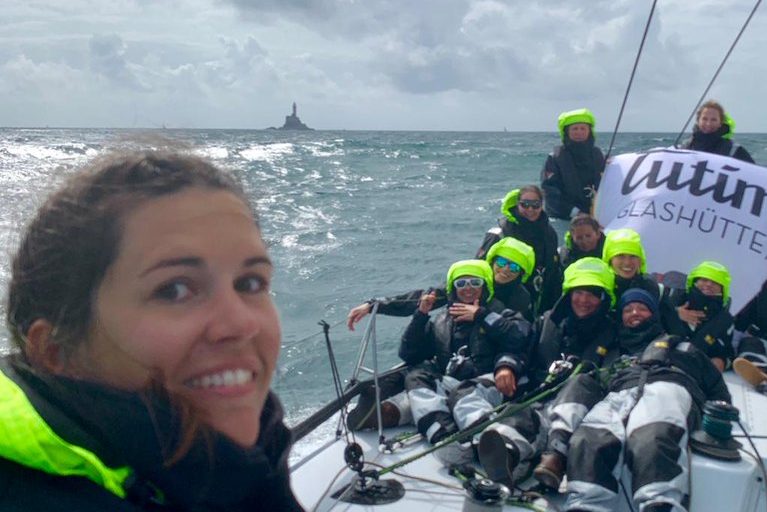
624, 252
713, 132
704, 312
524, 219
572, 171
463, 359
580, 325
512, 262
147, 338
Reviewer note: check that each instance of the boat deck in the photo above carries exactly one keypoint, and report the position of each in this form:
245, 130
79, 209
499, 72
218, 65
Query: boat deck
716, 485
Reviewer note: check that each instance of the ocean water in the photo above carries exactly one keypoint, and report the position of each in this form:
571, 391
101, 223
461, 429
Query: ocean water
347, 215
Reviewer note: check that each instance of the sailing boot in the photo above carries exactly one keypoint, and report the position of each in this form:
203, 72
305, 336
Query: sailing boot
364, 415
551, 469
751, 373
499, 457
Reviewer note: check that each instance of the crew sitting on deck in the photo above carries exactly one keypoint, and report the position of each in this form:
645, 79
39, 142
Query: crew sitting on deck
573, 170
584, 238
643, 426
580, 325
512, 262
704, 312
525, 220
465, 358
713, 131
640, 324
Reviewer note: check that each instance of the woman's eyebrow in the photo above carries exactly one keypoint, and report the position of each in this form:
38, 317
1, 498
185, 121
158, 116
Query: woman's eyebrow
257, 260
187, 261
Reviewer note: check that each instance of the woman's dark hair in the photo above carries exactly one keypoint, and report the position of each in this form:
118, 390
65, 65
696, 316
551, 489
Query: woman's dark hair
74, 238
584, 219
531, 188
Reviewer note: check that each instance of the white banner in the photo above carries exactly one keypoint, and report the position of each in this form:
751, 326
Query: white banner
689, 207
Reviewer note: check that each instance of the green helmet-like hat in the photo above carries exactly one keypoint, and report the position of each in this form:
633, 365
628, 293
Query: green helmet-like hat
730, 122
624, 241
581, 115
508, 204
714, 271
474, 268
589, 271
515, 250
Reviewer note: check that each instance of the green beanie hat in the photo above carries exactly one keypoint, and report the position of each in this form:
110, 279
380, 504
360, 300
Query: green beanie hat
714, 271
589, 271
474, 268
508, 204
582, 115
624, 241
515, 250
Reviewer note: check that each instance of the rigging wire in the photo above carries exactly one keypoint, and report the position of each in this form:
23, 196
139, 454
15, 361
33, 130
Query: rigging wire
631, 80
716, 74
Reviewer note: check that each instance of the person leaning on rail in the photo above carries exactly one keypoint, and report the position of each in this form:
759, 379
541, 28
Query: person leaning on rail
147, 338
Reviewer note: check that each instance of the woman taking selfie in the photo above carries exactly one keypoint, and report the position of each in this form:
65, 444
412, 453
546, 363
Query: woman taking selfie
139, 302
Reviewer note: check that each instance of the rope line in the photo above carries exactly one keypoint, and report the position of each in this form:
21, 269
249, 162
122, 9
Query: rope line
716, 74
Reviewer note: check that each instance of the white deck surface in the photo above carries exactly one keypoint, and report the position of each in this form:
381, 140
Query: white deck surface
716, 486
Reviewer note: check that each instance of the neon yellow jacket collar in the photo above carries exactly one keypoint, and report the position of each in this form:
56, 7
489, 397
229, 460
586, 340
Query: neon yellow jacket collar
25, 438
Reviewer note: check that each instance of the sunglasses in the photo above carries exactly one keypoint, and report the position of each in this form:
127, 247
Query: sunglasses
503, 262
530, 203
474, 282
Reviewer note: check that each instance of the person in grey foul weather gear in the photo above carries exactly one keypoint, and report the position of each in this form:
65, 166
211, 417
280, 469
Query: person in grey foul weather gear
640, 324
512, 261
465, 358
579, 326
642, 426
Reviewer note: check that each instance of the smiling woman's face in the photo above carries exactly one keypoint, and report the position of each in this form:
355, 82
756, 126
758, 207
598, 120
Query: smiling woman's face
187, 298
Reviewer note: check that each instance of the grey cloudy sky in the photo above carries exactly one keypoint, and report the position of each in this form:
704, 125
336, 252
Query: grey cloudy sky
373, 64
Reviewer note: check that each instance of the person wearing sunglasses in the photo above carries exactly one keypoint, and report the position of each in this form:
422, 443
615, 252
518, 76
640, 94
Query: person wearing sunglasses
584, 238
465, 358
524, 219
512, 262
579, 326
573, 170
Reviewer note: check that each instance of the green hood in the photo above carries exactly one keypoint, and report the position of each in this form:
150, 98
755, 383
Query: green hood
589, 271
508, 204
474, 268
624, 241
714, 271
581, 115
26, 439
516, 251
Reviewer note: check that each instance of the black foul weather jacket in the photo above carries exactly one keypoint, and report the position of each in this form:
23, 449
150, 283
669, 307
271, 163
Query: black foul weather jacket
569, 178
68, 445
497, 337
